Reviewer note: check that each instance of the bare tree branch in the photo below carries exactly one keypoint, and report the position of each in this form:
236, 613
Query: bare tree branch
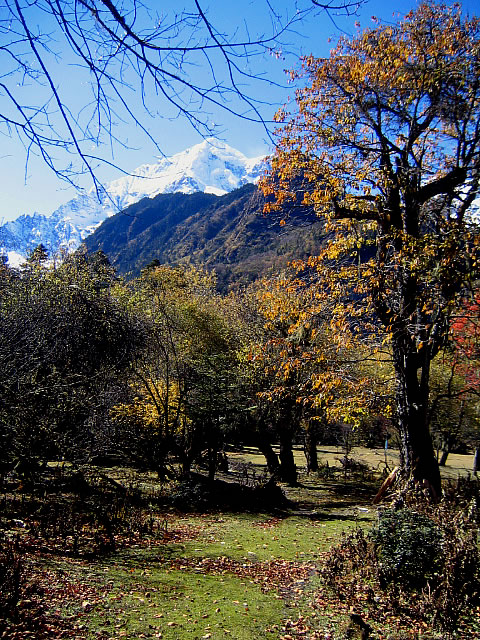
180, 65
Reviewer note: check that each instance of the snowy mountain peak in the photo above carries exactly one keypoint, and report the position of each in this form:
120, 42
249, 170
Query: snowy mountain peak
211, 166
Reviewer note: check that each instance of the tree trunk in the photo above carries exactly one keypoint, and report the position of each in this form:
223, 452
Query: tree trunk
162, 470
310, 447
186, 460
443, 458
476, 460
265, 448
212, 462
288, 470
449, 442
451, 438
417, 456
186, 467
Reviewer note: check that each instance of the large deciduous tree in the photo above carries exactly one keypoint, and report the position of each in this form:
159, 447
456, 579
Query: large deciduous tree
302, 373
386, 138
64, 344
184, 380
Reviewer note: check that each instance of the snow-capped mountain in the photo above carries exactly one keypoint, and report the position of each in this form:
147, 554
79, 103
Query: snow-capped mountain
211, 166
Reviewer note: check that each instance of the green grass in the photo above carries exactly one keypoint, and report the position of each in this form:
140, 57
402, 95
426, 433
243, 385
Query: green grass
146, 592
220, 575
163, 591
174, 604
457, 464
259, 538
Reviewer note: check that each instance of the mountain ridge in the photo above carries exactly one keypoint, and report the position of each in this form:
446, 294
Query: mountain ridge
228, 233
211, 167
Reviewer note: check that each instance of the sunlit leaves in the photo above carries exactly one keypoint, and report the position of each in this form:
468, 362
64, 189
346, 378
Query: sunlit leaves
465, 337
182, 381
384, 143
312, 355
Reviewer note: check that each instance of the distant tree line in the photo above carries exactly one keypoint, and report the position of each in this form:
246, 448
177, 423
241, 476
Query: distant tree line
164, 373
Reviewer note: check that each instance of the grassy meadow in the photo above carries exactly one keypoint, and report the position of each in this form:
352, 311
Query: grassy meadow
209, 573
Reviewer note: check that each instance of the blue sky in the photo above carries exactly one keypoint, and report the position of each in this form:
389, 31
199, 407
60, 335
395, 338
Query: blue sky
37, 188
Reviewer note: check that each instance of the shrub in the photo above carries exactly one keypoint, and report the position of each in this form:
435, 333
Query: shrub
408, 546
350, 568
456, 589
418, 565
10, 581
189, 494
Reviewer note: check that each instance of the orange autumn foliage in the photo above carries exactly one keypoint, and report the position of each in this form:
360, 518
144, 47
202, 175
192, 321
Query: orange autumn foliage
384, 143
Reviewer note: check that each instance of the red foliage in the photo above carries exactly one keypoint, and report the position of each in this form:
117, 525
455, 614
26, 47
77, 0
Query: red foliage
465, 336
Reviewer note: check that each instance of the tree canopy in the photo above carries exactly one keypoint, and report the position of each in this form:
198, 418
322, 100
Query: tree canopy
64, 344
384, 141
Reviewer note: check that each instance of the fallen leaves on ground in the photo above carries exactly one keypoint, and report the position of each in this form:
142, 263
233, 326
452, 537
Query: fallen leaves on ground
281, 575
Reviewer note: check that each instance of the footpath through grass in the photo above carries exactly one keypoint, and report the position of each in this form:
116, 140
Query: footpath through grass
230, 575
242, 575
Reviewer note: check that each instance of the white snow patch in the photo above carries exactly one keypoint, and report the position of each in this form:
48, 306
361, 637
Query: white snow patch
211, 166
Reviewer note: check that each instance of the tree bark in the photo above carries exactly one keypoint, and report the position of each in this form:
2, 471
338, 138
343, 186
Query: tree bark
288, 469
451, 438
476, 460
449, 442
212, 462
310, 447
265, 448
186, 466
443, 458
418, 460
186, 455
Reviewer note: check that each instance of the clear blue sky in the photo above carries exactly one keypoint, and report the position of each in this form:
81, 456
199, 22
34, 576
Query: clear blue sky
39, 189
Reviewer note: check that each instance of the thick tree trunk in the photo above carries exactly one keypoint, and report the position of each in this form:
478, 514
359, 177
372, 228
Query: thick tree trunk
417, 456
288, 470
310, 447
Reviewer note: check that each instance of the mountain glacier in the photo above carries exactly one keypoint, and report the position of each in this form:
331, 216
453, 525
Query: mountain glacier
211, 166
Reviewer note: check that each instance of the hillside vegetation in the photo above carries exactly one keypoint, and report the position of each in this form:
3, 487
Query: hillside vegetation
229, 234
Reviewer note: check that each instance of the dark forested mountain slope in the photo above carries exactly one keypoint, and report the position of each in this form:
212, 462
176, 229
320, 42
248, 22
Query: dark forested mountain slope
227, 233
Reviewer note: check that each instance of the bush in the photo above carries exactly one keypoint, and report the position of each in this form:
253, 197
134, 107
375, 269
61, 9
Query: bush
10, 581
199, 494
408, 546
457, 587
190, 494
418, 565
